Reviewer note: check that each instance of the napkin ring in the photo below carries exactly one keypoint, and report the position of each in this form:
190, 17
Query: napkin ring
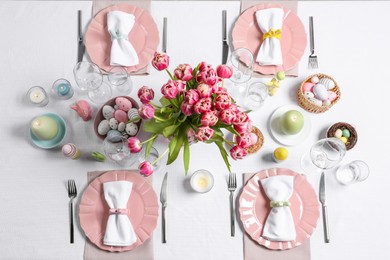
118, 211
277, 204
116, 35
272, 33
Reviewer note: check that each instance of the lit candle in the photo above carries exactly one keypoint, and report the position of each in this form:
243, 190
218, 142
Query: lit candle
202, 181
37, 96
63, 89
44, 127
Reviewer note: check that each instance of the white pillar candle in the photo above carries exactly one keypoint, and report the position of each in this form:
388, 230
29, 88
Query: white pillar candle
44, 127
37, 96
202, 181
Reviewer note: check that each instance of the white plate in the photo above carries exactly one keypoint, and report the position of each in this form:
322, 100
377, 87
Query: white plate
288, 140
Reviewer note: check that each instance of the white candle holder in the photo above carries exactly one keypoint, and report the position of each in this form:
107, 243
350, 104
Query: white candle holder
37, 96
202, 181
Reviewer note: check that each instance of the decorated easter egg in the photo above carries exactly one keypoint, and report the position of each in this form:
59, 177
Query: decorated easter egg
280, 154
114, 135
326, 102
280, 75
113, 123
314, 79
125, 135
308, 86
104, 127
131, 129
108, 112
332, 95
123, 103
315, 101
308, 94
121, 116
344, 139
320, 92
121, 126
327, 82
132, 114
346, 133
338, 133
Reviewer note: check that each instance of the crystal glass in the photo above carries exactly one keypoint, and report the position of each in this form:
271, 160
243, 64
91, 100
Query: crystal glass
352, 172
37, 96
256, 95
116, 149
327, 153
120, 79
89, 78
241, 60
62, 89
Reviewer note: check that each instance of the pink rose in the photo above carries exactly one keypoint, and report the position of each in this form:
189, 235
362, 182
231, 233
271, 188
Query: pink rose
203, 105
223, 101
146, 111
183, 72
204, 66
186, 108
245, 140
224, 71
209, 118
207, 76
134, 144
204, 90
204, 133
227, 116
238, 152
145, 168
145, 94
169, 90
160, 61
191, 96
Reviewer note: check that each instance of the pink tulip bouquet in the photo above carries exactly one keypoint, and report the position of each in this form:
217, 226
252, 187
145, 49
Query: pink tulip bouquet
195, 107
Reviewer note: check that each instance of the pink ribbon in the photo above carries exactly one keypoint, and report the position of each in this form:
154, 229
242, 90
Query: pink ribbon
118, 211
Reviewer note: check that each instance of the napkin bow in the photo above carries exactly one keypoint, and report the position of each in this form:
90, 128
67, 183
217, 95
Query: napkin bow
279, 225
270, 22
119, 231
119, 25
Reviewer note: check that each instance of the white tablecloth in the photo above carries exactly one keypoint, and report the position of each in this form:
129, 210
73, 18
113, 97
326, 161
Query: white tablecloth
39, 45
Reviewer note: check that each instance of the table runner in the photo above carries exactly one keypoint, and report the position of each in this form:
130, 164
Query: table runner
143, 252
293, 6
98, 5
254, 251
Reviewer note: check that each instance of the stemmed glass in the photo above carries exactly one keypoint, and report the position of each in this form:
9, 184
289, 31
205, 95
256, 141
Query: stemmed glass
120, 79
116, 149
89, 78
327, 153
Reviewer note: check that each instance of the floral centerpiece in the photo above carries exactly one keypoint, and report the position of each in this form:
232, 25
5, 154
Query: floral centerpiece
195, 107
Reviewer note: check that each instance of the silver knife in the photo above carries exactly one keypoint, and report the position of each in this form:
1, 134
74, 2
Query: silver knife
164, 43
322, 197
225, 46
163, 200
81, 46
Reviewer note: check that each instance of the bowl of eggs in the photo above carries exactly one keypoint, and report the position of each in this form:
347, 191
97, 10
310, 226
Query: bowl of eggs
112, 119
318, 93
345, 132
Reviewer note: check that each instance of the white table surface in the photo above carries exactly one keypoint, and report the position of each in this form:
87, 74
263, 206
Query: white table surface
39, 45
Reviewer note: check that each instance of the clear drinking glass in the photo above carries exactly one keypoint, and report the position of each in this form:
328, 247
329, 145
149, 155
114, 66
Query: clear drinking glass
352, 172
327, 153
120, 79
256, 95
241, 60
118, 151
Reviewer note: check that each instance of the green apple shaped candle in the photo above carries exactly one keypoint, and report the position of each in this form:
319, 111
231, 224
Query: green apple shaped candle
291, 122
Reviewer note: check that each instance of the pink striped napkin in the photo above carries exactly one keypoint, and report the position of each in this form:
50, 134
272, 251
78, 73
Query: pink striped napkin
143, 252
98, 5
254, 251
293, 6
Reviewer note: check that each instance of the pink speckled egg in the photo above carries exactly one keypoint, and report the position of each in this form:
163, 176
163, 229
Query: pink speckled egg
332, 95
123, 103
120, 115
308, 86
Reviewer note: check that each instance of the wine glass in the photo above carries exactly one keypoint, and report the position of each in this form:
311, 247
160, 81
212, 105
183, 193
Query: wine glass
241, 60
89, 78
117, 150
120, 79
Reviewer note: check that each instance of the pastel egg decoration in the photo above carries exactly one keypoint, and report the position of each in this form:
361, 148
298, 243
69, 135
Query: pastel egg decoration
132, 114
83, 109
114, 135
325, 90
116, 114
345, 132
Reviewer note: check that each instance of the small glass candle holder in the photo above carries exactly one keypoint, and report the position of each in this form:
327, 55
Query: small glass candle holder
202, 181
37, 96
256, 95
352, 172
62, 89
120, 79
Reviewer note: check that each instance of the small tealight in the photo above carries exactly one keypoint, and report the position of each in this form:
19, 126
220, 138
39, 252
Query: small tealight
202, 181
37, 96
62, 89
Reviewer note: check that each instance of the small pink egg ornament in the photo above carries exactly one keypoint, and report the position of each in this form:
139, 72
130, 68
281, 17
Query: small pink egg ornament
123, 103
308, 86
83, 109
121, 116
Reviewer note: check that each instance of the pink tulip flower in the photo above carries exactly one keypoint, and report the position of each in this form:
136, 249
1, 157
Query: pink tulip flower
207, 76
227, 116
243, 128
209, 118
191, 136
241, 117
191, 96
160, 61
186, 108
203, 105
146, 111
134, 144
183, 72
224, 71
145, 94
218, 86
223, 101
145, 168
204, 66
238, 152
204, 133
169, 90
204, 90
245, 140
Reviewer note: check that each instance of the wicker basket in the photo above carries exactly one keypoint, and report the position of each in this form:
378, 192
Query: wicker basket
260, 141
342, 125
309, 106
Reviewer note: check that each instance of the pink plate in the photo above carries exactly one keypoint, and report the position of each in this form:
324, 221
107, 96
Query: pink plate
254, 208
143, 207
144, 37
247, 34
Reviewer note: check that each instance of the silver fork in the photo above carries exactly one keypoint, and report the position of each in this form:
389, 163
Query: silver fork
72, 193
232, 185
313, 62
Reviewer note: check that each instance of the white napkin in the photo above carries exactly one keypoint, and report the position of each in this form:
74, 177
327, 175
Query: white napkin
119, 231
119, 24
270, 52
280, 224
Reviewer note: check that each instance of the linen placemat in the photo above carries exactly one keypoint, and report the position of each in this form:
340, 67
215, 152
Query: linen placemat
143, 252
293, 6
98, 5
254, 251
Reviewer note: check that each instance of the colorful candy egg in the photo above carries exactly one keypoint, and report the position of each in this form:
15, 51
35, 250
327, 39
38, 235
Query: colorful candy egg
338, 133
344, 139
327, 82
314, 79
113, 123
121, 116
320, 92
308, 86
131, 129
83, 109
123, 103
346, 133
121, 126
103, 127
108, 112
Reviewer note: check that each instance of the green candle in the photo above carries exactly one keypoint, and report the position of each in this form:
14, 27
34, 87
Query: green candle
291, 122
44, 127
